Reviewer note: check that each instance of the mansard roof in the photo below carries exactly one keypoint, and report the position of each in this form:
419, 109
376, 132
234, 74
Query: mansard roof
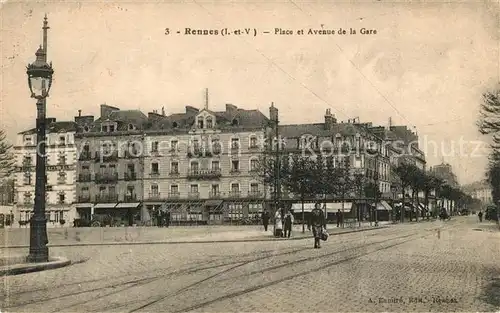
54, 127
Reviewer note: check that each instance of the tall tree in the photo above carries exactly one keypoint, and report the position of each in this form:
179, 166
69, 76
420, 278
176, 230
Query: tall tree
489, 120
405, 172
7, 160
302, 180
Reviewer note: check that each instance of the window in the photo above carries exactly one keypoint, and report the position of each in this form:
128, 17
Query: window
112, 190
61, 198
254, 164
254, 187
200, 122
131, 168
209, 122
62, 160
111, 128
154, 146
174, 124
235, 166
235, 211
61, 177
216, 147
130, 191
194, 166
234, 122
215, 166
174, 189
253, 142
254, 207
196, 144
194, 188
104, 128
85, 189
112, 168
154, 168
174, 168
235, 187
154, 190
86, 129
131, 127
174, 145
62, 140
27, 198
235, 143
215, 189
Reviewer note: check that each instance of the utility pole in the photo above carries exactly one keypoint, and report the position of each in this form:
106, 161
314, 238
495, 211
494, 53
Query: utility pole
377, 188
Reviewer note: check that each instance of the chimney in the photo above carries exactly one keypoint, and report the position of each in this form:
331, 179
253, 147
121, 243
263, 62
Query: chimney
329, 119
273, 113
79, 113
163, 111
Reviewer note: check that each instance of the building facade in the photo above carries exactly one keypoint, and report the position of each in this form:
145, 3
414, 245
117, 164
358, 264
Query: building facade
445, 172
60, 179
110, 165
480, 190
201, 165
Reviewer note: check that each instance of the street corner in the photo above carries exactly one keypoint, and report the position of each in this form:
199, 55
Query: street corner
17, 265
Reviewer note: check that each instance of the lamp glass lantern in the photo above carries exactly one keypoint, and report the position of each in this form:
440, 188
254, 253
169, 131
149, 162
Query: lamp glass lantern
39, 76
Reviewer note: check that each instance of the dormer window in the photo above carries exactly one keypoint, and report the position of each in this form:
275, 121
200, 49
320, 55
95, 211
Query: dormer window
104, 128
200, 122
174, 125
209, 122
131, 127
111, 128
234, 122
86, 129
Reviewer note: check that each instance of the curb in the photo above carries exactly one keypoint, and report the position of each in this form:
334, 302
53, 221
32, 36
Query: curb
18, 269
132, 243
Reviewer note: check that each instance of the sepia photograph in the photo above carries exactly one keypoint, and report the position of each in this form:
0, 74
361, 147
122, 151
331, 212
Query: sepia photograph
249, 156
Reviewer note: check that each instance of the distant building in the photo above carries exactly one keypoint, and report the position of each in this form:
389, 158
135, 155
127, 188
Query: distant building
480, 190
445, 172
60, 178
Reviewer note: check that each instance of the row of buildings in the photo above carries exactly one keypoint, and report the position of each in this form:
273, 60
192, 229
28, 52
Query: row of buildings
200, 164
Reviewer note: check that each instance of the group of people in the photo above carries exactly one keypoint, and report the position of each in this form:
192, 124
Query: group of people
283, 223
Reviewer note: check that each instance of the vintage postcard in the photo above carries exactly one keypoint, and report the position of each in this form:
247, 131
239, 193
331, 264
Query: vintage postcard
250, 156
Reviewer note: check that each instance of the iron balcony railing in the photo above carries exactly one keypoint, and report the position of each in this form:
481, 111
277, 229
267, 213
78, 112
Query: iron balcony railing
106, 177
130, 176
132, 197
154, 196
235, 194
215, 194
84, 177
204, 174
255, 194
106, 157
174, 195
106, 198
83, 198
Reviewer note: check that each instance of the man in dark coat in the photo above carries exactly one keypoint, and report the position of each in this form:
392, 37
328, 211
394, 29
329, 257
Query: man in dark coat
339, 218
317, 222
167, 218
265, 219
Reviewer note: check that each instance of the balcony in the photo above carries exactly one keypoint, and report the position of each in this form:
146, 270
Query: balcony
174, 173
204, 174
215, 195
154, 196
83, 198
84, 177
85, 156
255, 194
235, 171
106, 177
128, 176
194, 152
106, 157
132, 154
62, 181
130, 198
106, 198
193, 195
234, 194
174, 195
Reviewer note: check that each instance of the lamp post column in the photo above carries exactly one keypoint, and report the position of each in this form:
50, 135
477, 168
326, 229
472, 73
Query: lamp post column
39, 252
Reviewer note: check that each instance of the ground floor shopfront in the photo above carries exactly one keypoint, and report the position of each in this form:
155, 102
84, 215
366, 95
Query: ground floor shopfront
61, 215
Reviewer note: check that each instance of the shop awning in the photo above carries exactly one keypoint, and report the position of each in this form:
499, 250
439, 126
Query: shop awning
383, 206
338, 206
213, 202
297, 207
83, 205
104, 205
127, 205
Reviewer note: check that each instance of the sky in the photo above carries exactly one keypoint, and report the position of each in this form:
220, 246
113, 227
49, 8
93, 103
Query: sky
426, 67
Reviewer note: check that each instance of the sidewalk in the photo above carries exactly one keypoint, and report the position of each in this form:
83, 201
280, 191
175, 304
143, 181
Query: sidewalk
19, 238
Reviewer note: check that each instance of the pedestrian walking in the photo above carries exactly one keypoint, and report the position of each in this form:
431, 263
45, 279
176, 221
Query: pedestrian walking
318, 223
339, 217
167, 218
480, 215
265, 219
288, 224
278, 224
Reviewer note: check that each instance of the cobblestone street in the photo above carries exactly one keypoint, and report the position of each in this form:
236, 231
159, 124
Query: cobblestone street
410, 267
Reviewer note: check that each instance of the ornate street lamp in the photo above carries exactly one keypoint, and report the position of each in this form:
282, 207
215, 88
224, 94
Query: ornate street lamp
39, 81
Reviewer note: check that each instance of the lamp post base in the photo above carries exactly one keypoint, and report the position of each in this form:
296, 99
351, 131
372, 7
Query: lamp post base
39, 252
